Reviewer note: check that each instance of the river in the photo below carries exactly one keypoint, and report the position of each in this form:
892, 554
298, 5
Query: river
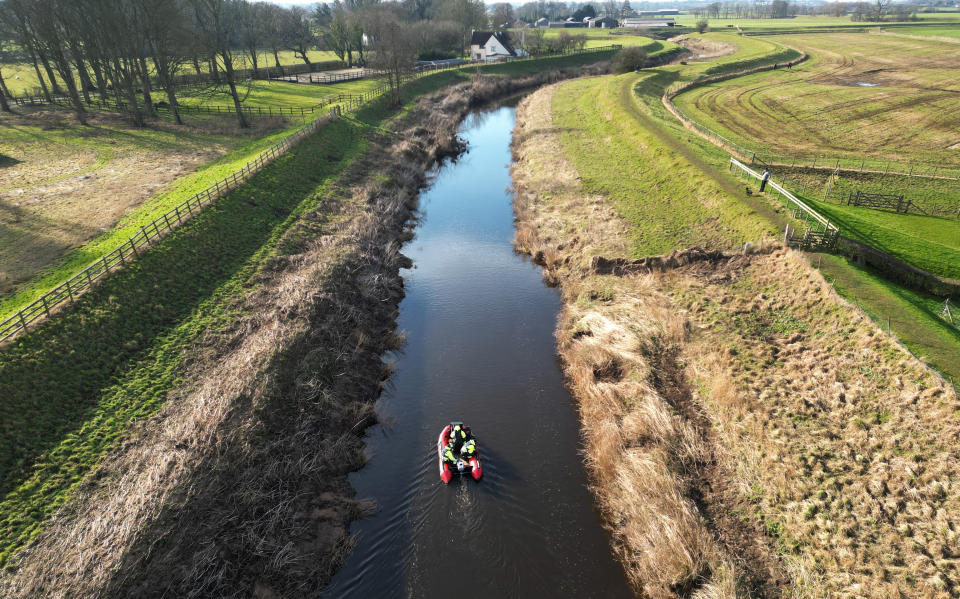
479, 326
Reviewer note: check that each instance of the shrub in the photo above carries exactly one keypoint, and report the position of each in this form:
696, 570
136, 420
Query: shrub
629, 59
702, 26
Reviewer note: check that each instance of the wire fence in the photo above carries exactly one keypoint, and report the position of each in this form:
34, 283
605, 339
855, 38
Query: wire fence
78, 284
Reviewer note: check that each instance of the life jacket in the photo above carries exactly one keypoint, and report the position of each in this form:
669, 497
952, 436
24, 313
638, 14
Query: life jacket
469, 449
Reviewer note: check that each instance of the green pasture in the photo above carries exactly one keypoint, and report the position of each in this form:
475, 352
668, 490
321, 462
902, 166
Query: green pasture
951, 31
821, 22
913, 317
277, 93
934, 196
822, 109
243, 150
928, 242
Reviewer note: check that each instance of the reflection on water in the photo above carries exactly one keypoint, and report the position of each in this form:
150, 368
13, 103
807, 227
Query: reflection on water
480, 348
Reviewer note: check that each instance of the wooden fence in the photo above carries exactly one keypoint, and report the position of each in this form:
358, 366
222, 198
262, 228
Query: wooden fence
148, 234
75, 286
326, 78
881, 201
814, 220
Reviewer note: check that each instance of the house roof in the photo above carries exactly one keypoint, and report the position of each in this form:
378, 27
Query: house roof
480, 38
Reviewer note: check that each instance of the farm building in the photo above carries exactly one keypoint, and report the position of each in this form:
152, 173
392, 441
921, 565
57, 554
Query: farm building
602, 22
492, 45
662, 12
648, 23
542, 22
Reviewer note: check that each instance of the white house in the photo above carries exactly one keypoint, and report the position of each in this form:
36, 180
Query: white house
492, 45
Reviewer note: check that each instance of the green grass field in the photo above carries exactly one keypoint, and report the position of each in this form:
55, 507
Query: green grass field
619, 160
912, 316
605, 37
614, 135
811, 22
951, 31
277, 93
241, 149
928, 242
880, 98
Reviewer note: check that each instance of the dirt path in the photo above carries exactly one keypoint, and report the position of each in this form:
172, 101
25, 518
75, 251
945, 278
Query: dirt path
726, 183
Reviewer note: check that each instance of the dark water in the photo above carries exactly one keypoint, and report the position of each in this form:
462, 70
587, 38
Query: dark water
480, 348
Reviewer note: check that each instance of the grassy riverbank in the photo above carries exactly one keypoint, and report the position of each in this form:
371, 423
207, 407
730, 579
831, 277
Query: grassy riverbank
750, 433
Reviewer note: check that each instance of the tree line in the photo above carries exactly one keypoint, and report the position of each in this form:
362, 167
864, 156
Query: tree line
129, 51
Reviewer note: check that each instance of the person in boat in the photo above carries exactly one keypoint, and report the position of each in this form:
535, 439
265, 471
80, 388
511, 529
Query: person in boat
449, 453
459, 434
468, 450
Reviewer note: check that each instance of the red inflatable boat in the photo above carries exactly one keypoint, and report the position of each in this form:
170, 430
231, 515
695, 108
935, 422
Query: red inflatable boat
447, 469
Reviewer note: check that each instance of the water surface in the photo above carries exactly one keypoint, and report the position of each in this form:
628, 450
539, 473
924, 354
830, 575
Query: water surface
479, 323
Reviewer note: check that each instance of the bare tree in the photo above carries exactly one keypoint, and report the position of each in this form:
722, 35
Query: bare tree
467, 14
299, 33
253, 31
166, 34
274, 18
502, 14
395, 45
880, 8
216, 22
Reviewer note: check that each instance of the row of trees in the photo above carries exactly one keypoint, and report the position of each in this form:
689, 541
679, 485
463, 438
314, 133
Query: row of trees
124, 50
121, 48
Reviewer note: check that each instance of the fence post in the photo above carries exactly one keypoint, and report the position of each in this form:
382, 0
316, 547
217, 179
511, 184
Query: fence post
23, 322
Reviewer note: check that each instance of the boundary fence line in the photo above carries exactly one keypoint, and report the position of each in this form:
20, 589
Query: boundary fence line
820, 233
83, 281
148, 234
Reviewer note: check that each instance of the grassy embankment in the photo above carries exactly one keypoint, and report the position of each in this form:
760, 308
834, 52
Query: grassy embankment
605, 37
42, 251
928, 242
73, 386
750, 433
819, 110
912, 315
21, 79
